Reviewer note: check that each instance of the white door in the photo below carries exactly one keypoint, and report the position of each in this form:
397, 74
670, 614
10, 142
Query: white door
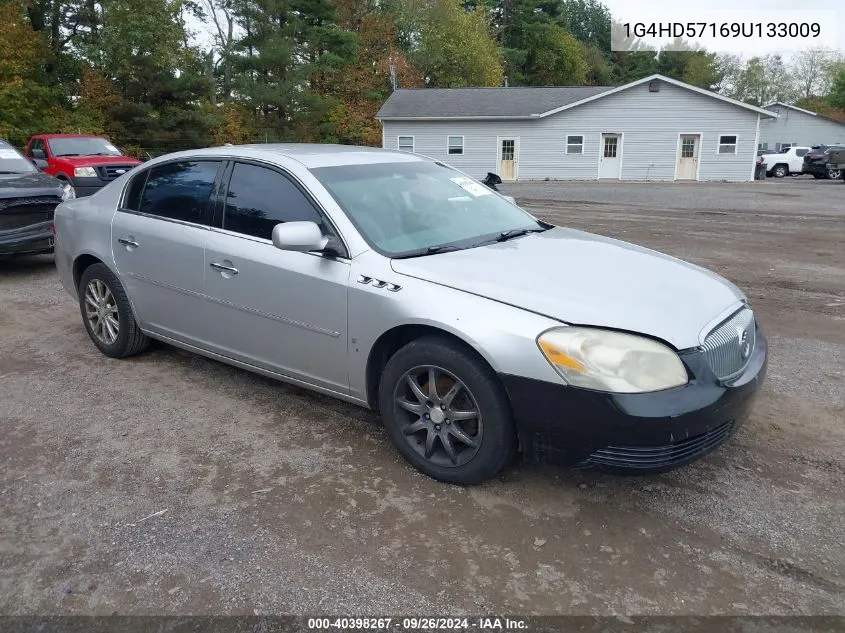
508, 158
611, 156
688, 157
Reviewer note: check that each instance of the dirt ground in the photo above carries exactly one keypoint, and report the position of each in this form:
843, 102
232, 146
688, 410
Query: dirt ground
173, 484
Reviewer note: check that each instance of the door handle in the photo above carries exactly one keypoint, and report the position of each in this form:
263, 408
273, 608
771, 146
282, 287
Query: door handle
223, 268
128, 242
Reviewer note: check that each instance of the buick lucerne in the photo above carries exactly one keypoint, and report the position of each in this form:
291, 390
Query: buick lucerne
397, 283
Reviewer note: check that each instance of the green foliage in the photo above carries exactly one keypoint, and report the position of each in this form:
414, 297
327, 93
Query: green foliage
554, 57
836, 98
318, 70
456, 48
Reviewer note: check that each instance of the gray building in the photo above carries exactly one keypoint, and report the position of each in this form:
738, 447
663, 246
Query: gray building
655, 128
796, 126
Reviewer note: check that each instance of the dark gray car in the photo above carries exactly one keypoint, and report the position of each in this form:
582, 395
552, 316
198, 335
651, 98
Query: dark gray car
28, 199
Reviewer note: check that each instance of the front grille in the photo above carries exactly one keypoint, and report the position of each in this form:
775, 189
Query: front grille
110, 172
729, 346
653, 457
17, 213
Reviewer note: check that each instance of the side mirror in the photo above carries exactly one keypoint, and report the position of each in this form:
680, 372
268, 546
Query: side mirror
299, 236
38, 154
40, 163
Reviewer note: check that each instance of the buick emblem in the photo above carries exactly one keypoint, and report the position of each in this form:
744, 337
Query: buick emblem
744, 344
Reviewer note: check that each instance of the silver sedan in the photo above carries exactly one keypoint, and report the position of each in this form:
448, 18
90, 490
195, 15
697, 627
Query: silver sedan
398, 283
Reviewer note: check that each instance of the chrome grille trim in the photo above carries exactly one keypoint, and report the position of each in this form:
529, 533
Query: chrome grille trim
723, 349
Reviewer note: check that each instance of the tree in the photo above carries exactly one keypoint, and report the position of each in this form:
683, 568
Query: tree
456, 49
554, 57
690, 64
807, 69
836, 98
702, 70
588, 21
24, 95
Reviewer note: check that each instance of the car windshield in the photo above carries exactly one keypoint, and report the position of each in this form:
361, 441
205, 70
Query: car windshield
420, 207
13, 162
83, 146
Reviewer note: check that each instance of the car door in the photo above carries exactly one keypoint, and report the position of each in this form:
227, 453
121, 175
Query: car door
280, 310
158, 241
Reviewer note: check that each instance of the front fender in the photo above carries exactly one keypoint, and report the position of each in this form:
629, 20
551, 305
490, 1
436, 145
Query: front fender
503, 335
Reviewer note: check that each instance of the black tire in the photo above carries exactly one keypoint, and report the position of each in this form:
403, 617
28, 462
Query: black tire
495, 426
834, 174
780, 171
129, 339
817, 176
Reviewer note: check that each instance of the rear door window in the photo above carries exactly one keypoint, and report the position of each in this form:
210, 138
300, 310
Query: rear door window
176, 191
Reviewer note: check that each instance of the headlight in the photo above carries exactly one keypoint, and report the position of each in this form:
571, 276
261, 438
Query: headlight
68, 192
85, 172
611, 361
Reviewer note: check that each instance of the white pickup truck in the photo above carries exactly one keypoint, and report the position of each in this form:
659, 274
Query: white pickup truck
788, 162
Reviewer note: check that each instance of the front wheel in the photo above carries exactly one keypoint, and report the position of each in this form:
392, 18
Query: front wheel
446, 412
834, 174
107, 313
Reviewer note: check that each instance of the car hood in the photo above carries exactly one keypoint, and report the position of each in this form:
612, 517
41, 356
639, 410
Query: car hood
93, 161
585, 279
33, 183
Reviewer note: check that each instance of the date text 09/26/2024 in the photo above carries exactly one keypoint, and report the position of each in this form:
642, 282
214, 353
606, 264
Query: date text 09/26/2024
492, 623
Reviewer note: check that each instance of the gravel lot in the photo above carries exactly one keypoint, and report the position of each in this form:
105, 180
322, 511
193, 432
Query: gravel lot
274, 500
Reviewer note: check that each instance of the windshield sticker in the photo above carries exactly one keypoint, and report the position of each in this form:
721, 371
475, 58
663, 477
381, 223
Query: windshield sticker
9, 153
471, 187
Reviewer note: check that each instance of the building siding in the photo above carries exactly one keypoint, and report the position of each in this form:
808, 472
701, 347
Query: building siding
650, 124
799, 128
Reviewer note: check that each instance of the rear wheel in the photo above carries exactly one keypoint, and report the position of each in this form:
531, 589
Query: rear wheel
780, 171
107, 313
817, 176
446, 412
834, 174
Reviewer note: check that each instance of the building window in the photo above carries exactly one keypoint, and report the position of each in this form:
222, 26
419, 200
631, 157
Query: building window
727, 144
762, 146
406, 143
455, 145
575, 144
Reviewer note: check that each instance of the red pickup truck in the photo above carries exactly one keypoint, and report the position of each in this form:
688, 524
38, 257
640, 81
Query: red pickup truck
86, 161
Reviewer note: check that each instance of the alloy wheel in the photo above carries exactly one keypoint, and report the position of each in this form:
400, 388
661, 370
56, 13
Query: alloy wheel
101, 312
834, 174
439, 416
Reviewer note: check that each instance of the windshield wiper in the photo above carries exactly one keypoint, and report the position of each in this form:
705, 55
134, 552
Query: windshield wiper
6, 173
431, 250
61, 155
504, 236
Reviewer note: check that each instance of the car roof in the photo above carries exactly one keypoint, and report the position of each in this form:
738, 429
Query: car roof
311, 155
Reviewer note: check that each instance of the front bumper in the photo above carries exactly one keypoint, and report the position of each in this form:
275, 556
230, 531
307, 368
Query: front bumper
35, 238
650, 432
87, 186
